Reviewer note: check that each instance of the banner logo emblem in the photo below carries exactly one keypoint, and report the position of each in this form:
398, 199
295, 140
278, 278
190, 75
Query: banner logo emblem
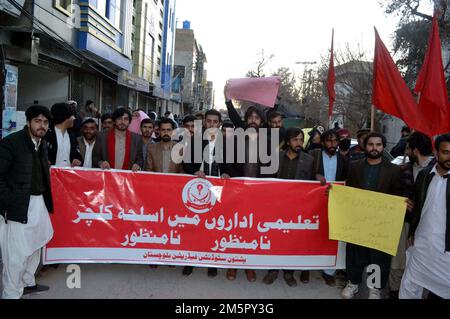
198, 197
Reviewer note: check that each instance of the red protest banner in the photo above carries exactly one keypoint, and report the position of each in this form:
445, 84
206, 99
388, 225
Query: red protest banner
146, 218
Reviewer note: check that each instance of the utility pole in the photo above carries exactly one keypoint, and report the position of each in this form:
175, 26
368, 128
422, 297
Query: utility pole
307, 82
307, 76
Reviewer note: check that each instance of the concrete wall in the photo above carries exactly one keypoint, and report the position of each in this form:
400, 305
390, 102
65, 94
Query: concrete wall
57, 20
185, 58
184, 40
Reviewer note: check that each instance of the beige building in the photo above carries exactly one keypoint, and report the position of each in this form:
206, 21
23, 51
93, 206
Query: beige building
190, 67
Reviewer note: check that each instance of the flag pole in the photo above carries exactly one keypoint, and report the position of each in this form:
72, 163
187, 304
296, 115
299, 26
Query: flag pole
372, 118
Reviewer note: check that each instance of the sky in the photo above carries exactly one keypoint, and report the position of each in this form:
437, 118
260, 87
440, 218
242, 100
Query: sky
233, 33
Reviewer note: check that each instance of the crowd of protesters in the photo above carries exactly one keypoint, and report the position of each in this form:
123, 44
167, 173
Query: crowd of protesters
133, 140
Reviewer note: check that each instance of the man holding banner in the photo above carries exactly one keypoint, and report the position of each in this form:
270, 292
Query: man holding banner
329, 166
373, 174
118, 148
208, 166
294, 164
428, 265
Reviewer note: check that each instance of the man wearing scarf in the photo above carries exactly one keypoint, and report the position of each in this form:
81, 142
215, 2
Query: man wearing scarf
118, 148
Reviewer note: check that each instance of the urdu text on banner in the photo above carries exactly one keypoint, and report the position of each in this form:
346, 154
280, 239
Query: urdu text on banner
147, 218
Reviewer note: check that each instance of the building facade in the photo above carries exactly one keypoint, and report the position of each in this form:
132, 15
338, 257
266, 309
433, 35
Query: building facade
107, 51
192, 87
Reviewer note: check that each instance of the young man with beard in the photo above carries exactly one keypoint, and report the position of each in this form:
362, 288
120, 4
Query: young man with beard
378, 175
62, 146
428, 265
357, 152
294, 164
147, 127
159, 158
329, 166
159, 155
107, 121
118, 148
61, 143
25, 201
156, 137
86, 141
419, 149
207, 166
275, 120
189, 124
253, 119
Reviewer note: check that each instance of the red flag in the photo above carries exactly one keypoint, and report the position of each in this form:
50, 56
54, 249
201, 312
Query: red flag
432, 87
331, 79
390, 92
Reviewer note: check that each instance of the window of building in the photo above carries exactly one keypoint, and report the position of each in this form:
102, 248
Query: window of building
63, 6
110, 9
173, 19
159, 48
101, 7
118, 14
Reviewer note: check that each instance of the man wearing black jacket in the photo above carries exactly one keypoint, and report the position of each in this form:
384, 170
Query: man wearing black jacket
329, 166
253, 166
378, 175
295, 164
25, 201
207, 166
62, 144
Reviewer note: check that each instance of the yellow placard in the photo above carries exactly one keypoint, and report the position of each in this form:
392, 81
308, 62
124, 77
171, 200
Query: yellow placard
365, 218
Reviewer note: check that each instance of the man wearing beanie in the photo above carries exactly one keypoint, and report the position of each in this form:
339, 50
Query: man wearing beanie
62, 145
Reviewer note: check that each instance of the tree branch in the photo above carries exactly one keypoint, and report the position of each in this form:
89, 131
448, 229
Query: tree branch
416, 12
